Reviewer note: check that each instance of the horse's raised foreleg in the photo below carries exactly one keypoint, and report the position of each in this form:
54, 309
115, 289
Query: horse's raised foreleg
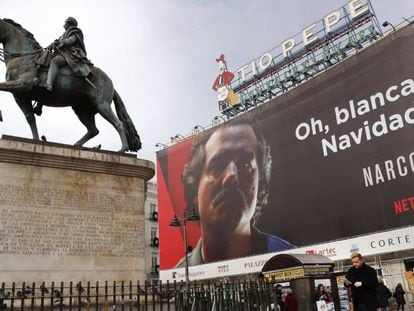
26, 106
88, 119
105, 110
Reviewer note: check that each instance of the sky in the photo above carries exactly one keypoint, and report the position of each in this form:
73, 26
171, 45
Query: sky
160, 55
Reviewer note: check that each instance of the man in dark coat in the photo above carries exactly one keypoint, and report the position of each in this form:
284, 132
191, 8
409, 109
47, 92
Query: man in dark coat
69, 49
364, 283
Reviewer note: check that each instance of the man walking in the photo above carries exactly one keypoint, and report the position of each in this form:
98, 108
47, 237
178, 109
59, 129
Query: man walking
364, 283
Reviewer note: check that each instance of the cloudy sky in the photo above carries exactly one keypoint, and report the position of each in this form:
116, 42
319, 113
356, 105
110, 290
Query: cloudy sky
161, 55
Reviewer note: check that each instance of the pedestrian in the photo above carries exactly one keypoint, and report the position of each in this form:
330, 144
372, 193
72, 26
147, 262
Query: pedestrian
383, 295
399, 296
321, 293
362, 279
291, 302
279, 297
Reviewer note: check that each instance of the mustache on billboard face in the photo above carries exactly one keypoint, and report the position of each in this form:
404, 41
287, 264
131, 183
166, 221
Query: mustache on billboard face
233, 192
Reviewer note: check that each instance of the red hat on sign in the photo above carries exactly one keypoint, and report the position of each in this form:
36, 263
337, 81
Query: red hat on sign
221, 59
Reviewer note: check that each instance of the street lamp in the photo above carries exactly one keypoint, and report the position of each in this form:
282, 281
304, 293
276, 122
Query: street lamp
217, 119
190, 214
197, 129
387, 23
177, 138
160, 145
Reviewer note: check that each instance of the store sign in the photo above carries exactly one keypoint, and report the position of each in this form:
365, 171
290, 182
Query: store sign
309, 35
285, 274
328, 252
296, 273
391, 241
317, 47
373, 244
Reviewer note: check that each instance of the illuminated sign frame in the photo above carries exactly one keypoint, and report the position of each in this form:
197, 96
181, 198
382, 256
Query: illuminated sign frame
319, 46
299, 272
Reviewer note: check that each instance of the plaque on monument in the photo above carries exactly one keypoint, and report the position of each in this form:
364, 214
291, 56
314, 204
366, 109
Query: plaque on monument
70, 214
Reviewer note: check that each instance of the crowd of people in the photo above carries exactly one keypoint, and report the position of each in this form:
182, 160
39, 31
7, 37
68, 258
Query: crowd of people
369, 292
285, 299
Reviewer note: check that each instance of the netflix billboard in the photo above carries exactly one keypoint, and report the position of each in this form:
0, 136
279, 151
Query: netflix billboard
340, 164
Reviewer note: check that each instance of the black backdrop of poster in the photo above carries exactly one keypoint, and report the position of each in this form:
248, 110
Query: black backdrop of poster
316, 197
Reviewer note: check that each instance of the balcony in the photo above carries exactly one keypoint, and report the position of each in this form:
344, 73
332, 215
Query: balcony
154, 216
155, 242
155, 270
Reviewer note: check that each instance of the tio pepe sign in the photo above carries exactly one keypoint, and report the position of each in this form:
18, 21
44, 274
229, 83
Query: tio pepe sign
309, 36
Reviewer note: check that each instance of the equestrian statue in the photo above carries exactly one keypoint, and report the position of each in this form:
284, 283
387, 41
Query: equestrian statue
60, 76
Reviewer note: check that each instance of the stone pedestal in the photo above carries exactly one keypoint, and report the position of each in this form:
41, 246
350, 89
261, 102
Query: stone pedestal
70, 214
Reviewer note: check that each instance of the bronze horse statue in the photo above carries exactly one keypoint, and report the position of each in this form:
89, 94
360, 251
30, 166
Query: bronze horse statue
20, 51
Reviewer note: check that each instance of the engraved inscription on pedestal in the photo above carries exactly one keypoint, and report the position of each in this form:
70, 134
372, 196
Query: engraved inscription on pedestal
57, 222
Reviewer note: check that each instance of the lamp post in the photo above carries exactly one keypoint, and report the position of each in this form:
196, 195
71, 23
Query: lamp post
160, 145
198, 128
217, 119
190, 214
177, 138
387, 23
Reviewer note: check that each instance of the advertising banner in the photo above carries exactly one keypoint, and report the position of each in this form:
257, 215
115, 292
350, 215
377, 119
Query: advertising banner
338, 155
371, 244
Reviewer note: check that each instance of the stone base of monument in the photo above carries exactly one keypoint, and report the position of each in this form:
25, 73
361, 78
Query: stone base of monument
70, 214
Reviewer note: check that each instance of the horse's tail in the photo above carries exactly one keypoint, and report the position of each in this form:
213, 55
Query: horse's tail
134, 142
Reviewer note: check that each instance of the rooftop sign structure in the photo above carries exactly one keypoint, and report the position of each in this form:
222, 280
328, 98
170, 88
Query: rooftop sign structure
317, 47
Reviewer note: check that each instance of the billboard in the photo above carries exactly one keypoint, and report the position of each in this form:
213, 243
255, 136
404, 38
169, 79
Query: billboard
342, 158
340, 34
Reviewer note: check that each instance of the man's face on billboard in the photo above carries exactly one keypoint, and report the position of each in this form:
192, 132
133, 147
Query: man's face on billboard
229, 180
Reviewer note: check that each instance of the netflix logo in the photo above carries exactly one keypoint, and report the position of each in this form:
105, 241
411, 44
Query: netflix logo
404, 205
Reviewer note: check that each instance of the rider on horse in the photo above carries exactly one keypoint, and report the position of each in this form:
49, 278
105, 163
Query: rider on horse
21, 56
69, 50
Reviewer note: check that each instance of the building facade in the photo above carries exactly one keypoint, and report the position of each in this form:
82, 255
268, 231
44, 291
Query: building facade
151, 232
342, 165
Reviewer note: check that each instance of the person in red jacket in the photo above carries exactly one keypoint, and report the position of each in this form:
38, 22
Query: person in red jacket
291, 302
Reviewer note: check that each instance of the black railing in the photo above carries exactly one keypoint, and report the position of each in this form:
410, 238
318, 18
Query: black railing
246, 295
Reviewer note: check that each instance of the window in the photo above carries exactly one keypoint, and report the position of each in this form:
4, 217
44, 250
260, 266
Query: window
154, 260
153, 208
153, 233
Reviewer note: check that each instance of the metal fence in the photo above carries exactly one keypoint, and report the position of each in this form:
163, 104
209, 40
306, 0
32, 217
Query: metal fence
196, 296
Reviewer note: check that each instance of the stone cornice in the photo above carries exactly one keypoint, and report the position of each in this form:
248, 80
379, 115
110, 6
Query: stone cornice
30, 152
